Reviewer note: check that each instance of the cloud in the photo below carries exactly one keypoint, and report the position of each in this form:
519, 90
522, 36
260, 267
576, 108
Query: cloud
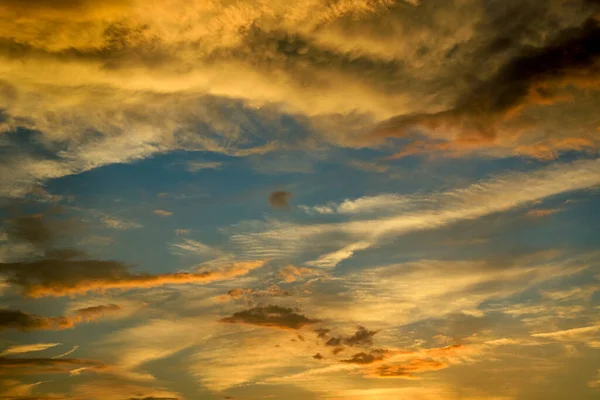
118, 388
431, 289
292, 273
280, 199
530, 77
417, 213
362, 337
542, 212
60, 272
94, 312
194, 247
367, 358
195, 166
162, 213
33, 366
65, 276
330, 260
66, 353
407, 370
270, 316
586, 334
16, 319
335, 68
27, 348
115, 223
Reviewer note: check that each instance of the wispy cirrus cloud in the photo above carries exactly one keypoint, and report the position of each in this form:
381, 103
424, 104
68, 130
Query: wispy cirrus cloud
416, 213
195, 166
27, 348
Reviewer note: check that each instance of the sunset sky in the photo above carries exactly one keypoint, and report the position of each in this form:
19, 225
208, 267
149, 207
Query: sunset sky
299, 200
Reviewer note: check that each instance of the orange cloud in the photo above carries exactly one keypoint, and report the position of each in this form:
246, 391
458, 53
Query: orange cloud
129, 281
542, 212
408, 369
65, 275
21, 366
291, 273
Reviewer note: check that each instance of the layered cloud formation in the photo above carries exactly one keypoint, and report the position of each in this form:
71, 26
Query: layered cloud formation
310, 200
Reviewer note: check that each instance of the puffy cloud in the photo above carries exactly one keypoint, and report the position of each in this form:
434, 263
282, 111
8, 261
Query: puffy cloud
270, 316
280, 199
292, 273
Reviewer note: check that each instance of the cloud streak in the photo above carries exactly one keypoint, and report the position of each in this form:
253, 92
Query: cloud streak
431, 211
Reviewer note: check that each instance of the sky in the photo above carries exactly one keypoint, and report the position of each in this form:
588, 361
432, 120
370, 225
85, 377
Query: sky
299, 200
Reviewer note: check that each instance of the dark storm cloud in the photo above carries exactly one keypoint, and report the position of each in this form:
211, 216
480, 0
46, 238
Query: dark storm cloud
270, 316
530, 76
280, 199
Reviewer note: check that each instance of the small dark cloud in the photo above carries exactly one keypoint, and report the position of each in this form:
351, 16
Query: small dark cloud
280, 199
40, 230
16, 319
367, 358
318, 356
270, 316
362, 337
322, 332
